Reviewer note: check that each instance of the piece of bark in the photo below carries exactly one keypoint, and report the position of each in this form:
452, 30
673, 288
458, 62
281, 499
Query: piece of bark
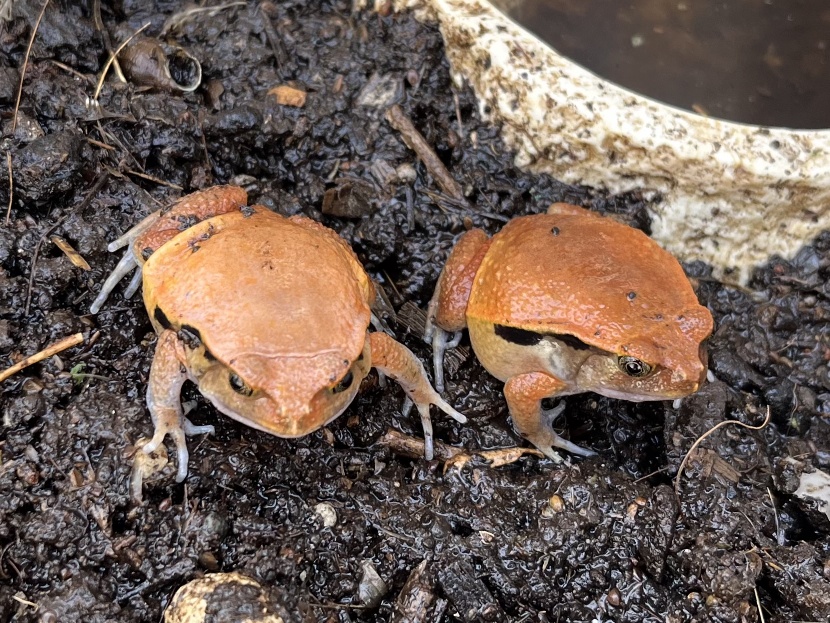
417, 143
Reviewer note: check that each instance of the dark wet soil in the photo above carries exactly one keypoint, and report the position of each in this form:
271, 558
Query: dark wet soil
601, 539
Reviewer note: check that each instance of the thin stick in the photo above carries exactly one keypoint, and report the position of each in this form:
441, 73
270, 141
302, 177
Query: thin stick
152, 178
112, 58
458, 114
416, 142
704, 436
99, 26
75, 73
758, 601
778, 536
67, 342
11, 188
26, 63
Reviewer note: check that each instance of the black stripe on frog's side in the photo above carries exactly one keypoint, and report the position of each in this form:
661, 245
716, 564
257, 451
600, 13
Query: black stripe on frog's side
161, 318
518, 336
570, 340
531, 338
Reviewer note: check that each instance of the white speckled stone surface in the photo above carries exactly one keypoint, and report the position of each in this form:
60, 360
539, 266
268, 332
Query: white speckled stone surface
732, 194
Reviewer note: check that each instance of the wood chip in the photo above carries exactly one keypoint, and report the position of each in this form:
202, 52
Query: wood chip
416, 142
74, 257
288, 96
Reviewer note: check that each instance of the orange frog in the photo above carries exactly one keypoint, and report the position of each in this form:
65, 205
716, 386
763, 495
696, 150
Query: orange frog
267, 315
569, 302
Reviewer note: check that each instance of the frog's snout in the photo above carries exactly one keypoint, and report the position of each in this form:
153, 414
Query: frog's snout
690, 377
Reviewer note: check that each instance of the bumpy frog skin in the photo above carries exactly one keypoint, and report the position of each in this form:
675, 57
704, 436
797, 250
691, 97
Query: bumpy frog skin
569, 302
267, 315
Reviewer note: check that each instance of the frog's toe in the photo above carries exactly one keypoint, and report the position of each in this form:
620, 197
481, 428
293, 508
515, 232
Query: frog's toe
447, 408
441, 342
426, 423
122, 269
177, 428
572, 447
177, 434
550, 453
182, 455
551, 415
546, 440
191, 429
135, 283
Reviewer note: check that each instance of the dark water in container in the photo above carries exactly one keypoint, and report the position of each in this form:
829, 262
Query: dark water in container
754, 61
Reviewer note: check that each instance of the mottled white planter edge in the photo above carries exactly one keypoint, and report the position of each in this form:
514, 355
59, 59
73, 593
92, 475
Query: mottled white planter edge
732, 194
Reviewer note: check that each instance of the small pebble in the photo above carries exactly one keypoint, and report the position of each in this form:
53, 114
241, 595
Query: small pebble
372, 588
327, 514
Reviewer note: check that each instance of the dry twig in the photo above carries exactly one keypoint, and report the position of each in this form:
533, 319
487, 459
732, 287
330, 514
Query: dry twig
112, 59
451, 456
177, 20
417, 143
26, 63
11, 188
99, 26
153, 178
698, 441
61, 345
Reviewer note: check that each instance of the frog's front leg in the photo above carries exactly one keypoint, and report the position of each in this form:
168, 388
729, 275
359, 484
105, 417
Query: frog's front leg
524, 394
399, 363
167, 375
447, 311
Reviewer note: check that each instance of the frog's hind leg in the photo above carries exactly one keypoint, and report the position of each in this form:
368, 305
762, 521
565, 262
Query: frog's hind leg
447, 311
167, 375
397, 362
524, 394
128, 262
159, 227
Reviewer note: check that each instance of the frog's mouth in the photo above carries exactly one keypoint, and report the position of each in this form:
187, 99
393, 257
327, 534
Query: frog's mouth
634, 397
285, 411
273, 426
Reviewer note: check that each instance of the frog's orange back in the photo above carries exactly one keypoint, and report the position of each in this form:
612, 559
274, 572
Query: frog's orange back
591, 277
257, 285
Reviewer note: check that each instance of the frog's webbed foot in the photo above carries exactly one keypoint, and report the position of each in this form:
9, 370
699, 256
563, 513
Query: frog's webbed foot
524, 394
177, 427
164, 402
397, 361
127, 263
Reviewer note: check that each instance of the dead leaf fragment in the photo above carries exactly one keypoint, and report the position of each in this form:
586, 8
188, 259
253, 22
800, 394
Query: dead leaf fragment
74, 257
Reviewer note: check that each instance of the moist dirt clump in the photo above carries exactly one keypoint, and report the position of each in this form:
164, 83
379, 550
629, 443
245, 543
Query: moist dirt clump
320, 521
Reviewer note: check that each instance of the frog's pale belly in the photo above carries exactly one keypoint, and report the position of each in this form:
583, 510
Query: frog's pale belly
506, 352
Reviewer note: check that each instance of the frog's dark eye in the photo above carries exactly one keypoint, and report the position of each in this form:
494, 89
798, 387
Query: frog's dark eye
238, 385
344, 383
633, 366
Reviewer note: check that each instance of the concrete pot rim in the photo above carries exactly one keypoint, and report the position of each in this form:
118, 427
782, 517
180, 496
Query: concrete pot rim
731, 194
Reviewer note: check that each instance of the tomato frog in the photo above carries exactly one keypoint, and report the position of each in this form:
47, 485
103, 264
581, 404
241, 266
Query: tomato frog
568, 302
267, 315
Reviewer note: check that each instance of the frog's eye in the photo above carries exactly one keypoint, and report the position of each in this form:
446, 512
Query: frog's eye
633, 366
344, 383
238, 385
